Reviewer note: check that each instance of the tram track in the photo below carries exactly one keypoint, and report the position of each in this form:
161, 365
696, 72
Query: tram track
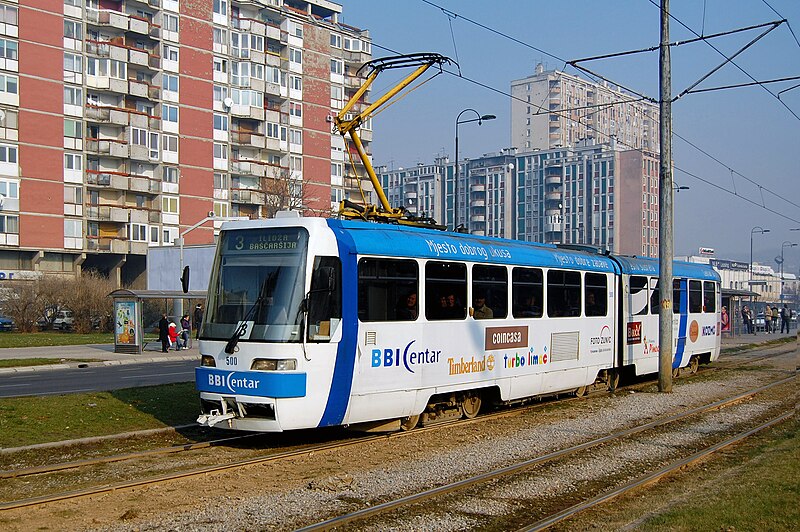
303, 450
366, 516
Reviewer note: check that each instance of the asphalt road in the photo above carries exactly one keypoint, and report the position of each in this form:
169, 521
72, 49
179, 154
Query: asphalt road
95, 378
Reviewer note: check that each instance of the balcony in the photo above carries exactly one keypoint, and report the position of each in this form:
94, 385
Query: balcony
552, 227
247, 138
108, 18
138, 57
252, 197
107, 213
106, 180
139, 25
554, 179
553, 196
247, 168
109, 147
111, 245
144, 184
478, 188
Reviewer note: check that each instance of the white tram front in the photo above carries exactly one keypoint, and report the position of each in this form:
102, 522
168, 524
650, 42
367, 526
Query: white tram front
313, 322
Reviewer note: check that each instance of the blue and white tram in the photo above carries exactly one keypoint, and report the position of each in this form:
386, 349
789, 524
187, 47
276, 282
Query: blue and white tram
316, 322
696, 314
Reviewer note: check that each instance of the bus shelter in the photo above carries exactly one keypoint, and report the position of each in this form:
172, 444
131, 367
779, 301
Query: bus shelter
128, 327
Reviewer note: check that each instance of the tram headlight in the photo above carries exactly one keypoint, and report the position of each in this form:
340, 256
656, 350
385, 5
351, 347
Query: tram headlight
207, 360
272, 364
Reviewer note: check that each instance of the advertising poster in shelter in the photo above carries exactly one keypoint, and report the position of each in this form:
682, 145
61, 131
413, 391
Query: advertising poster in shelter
125, 322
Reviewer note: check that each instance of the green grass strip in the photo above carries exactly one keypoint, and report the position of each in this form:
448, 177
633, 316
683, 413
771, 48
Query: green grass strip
31, 420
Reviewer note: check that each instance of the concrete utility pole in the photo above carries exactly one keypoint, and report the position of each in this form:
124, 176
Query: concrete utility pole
665, 248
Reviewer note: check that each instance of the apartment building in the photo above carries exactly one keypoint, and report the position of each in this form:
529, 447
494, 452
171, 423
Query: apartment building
552, 109
590, 194
125, 122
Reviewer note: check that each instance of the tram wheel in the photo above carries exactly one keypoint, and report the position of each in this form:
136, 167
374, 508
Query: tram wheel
409, 423
694, 364
471, 405
580, 392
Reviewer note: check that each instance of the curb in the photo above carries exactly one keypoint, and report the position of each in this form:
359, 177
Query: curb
81, 365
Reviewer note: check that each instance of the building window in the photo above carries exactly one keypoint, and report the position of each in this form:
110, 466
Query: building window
220, 7
170, 53
296, 56
9, 189
9, 224
169, 22
73, 161
73, 128
9, 84
272, 130
220, 36
336, 40
221, 209
170, 174
296, 83
169, 204
8, 15
73, 228
220, 122
295, 109
170, 143
73, 96
8, 49
169, 82
73, 63
295, 136
219, 93
169, 113
221, 66
73, 30
72, 195
138, 233
221, 181
220, 151
337, 66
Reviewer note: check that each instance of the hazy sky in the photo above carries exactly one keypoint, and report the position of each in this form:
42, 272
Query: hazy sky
748, 131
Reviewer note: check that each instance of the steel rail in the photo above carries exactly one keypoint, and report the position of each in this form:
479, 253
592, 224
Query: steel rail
520, 466
63, 466
649, 478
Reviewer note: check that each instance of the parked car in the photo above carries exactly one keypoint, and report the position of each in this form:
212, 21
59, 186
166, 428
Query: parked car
6, 324
64, 320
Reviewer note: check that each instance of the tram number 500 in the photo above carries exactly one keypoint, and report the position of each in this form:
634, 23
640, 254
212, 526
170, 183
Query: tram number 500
231, 361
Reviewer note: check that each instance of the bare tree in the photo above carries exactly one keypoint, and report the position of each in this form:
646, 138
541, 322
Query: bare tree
88, 299
286, 193
23, 305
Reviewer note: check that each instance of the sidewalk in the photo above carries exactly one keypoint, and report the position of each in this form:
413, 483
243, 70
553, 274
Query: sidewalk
92, 355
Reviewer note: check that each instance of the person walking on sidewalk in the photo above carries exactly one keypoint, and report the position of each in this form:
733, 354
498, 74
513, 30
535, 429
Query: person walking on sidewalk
198, 319
163, 333
786, 316
767, 320
186, 331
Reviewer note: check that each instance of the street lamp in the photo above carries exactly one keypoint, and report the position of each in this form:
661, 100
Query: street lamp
786, 244
755, 229
479, 120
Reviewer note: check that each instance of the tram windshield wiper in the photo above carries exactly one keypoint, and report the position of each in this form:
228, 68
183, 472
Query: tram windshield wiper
240, 331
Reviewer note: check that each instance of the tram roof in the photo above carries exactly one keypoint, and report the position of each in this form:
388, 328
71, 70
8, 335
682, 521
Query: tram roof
649, 266
402, 241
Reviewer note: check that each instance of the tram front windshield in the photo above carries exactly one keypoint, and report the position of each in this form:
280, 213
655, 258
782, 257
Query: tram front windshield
258, 278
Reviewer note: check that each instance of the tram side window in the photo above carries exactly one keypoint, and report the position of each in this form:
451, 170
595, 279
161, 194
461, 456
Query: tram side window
445, 291
527, 292
638, 295
655, 296
563, 293
489, 291
695, 296
596, 294
325, 298
709, 296
384, 288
